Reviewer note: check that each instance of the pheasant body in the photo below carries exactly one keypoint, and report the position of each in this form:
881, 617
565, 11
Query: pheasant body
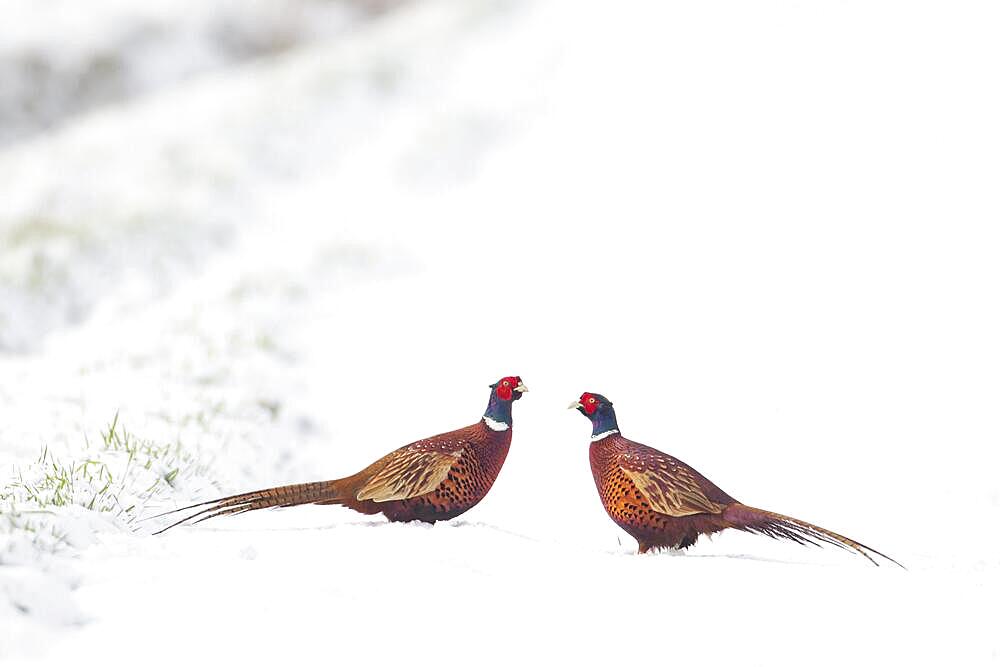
664, 503
632, 510
469, 479
434, 479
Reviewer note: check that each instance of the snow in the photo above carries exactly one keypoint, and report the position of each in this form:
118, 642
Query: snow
59, 58
766, 232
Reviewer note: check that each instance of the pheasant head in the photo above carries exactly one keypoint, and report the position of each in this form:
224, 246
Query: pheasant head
599, 411
502, 395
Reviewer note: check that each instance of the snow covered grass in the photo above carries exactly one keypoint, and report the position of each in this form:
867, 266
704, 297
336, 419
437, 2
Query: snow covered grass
118, 476
53, 508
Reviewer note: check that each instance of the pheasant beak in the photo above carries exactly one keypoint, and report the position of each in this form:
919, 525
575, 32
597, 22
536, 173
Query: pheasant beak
520, 388
575, 405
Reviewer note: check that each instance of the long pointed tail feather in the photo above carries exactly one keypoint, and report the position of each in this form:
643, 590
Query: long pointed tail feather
779, 526
326, 493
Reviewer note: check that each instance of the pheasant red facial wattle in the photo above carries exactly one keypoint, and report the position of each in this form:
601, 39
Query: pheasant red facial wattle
506, 388
433, 479
589, 402
664, 503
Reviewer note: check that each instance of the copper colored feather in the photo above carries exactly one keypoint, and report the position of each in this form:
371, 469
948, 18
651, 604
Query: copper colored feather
664, 503
433, 479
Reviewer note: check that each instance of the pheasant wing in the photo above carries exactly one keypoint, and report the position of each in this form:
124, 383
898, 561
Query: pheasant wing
670, 487
409, 472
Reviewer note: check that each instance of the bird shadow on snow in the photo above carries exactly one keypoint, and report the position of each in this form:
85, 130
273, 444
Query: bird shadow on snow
760, 559
489, 526
675, 553
290, 529
466, 525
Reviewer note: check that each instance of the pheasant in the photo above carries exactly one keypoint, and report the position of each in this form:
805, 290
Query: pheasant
664, 503
434, 479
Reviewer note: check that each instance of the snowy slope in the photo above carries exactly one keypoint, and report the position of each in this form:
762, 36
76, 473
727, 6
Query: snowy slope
766, 232
59, 58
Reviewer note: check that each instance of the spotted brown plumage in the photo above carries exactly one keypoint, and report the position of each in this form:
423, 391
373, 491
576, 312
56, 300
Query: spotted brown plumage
664, 503
430, 480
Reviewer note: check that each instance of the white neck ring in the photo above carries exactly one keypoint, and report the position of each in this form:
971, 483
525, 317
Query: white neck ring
494, 425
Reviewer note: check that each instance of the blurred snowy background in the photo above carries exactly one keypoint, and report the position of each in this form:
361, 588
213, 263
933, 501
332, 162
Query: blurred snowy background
254, 243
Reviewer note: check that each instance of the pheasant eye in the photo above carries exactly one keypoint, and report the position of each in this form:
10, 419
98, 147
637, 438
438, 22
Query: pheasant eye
593, 400
506, 384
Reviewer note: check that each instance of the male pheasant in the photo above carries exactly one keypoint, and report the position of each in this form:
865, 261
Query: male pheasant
434, 479
664, 503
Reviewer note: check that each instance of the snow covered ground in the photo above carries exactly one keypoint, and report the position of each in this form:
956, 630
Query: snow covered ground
767, 231
59, 58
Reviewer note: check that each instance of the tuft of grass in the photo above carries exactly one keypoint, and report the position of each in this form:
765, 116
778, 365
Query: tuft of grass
114, 477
